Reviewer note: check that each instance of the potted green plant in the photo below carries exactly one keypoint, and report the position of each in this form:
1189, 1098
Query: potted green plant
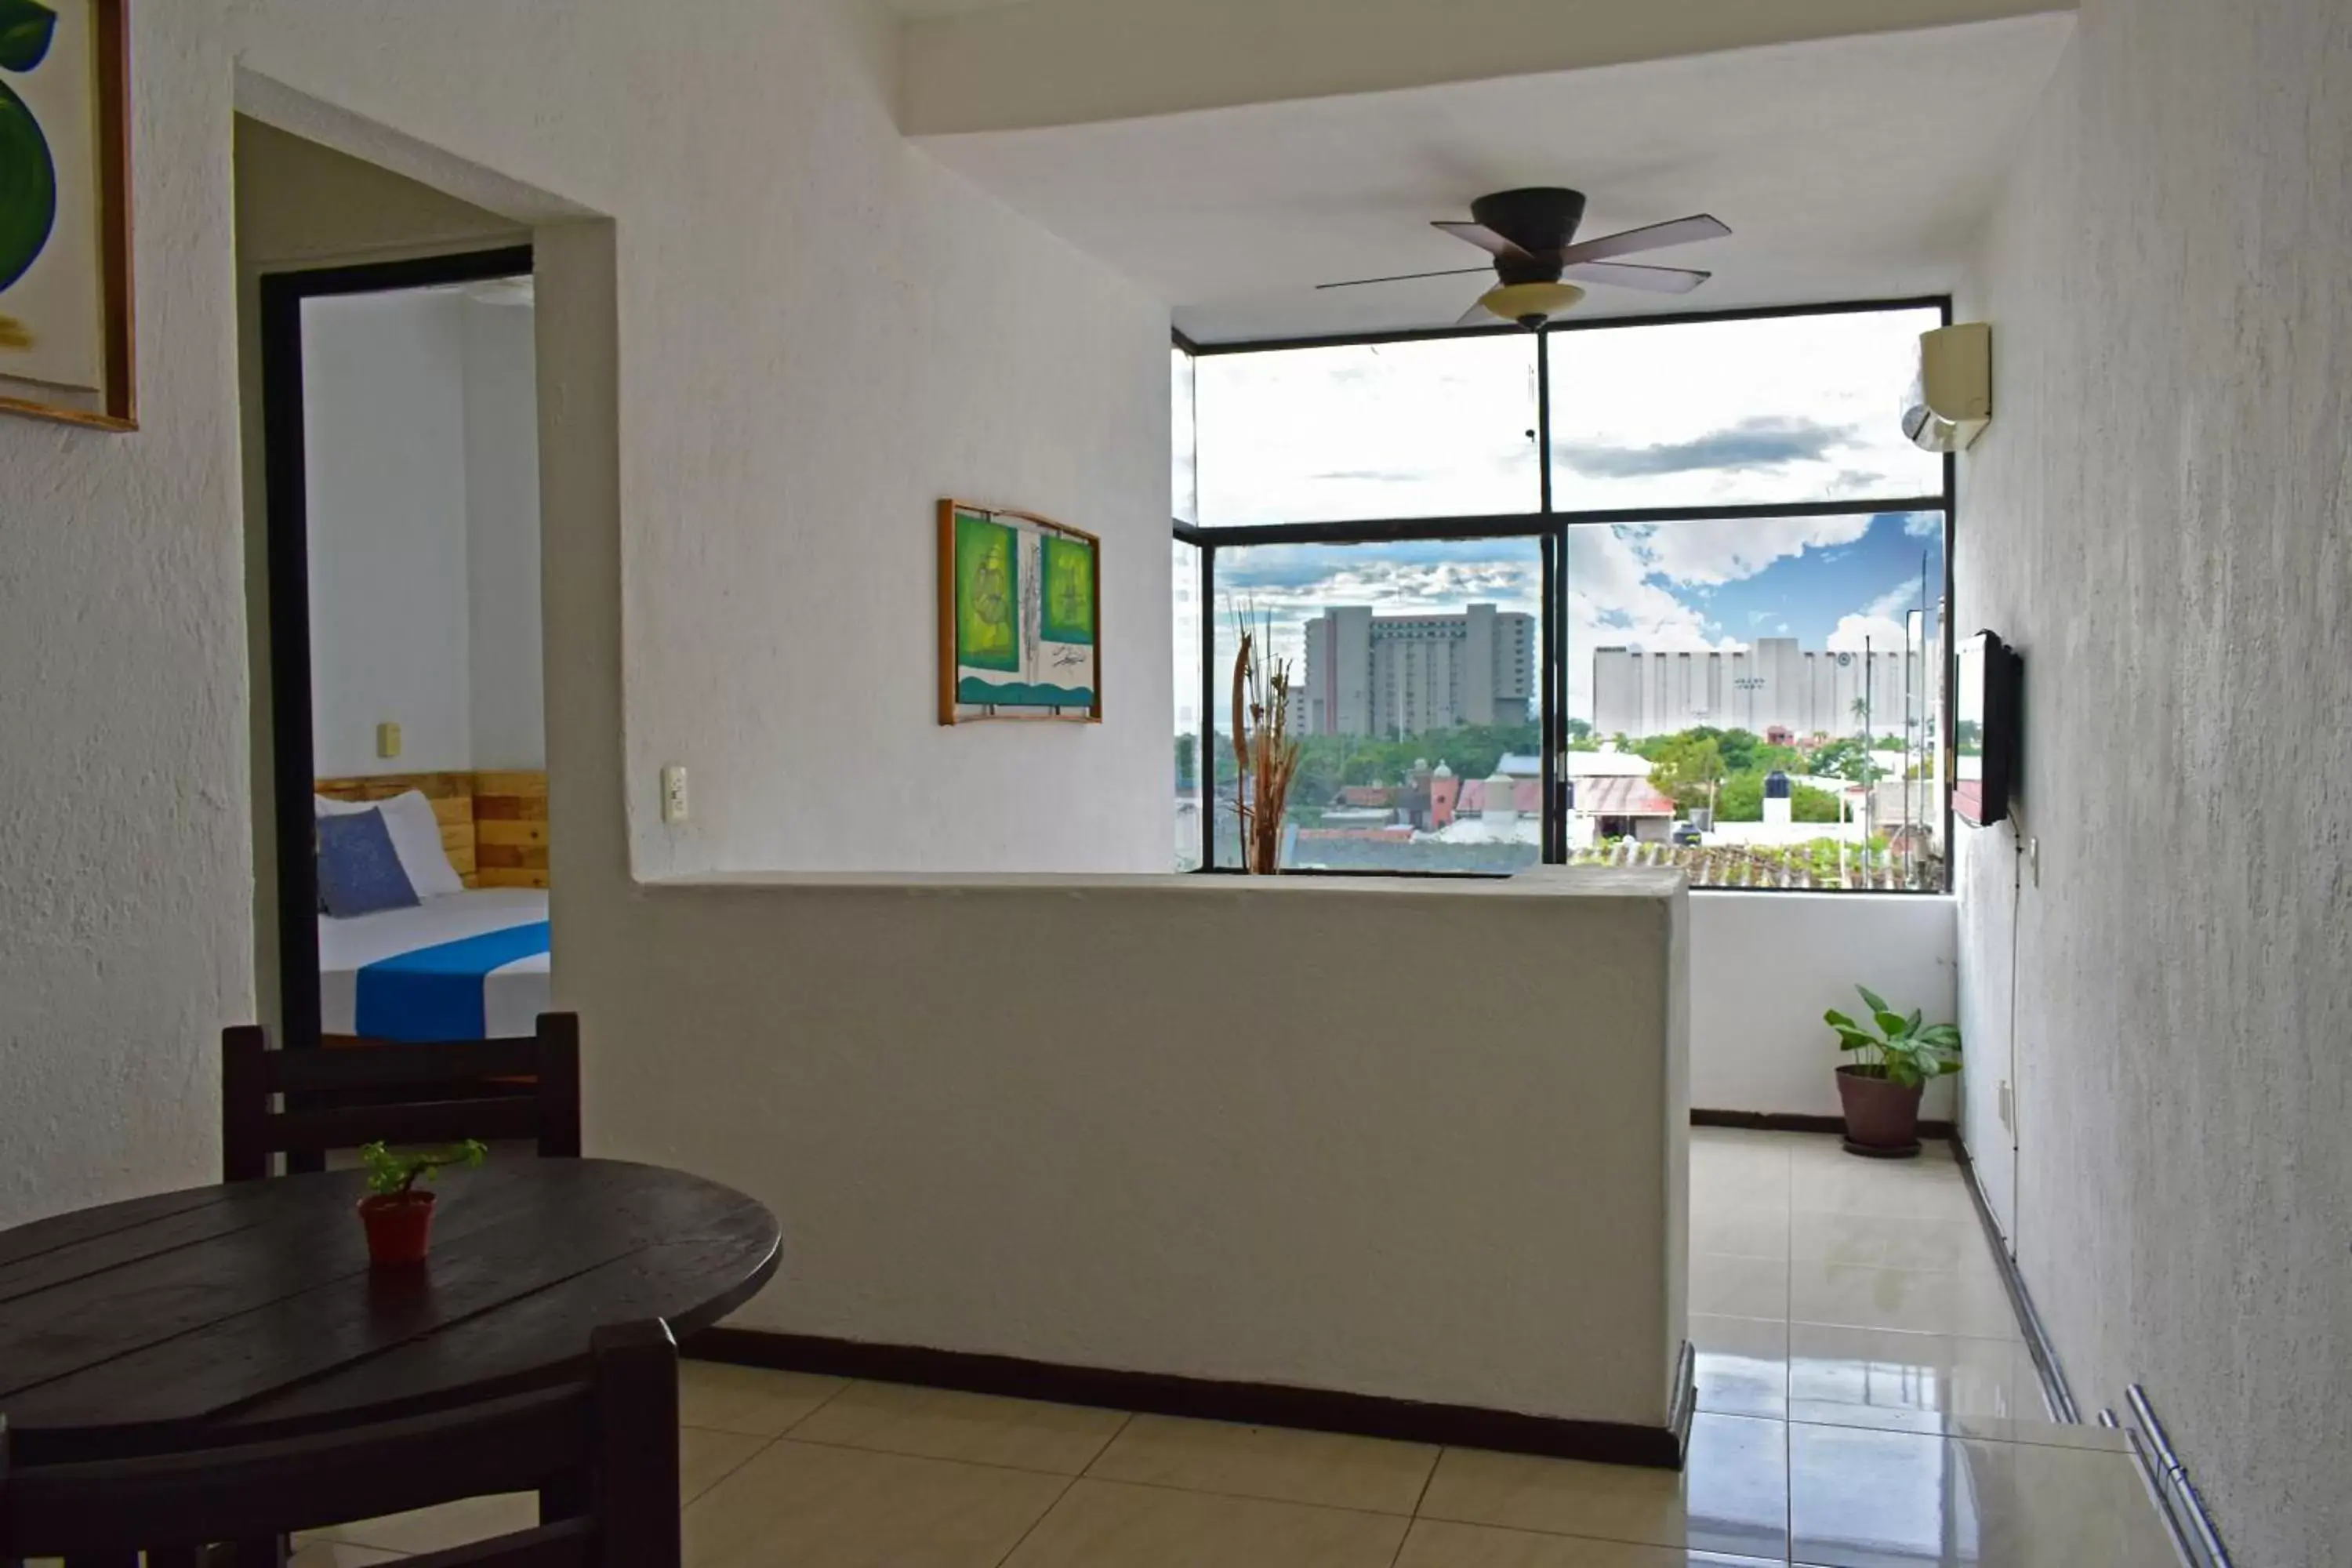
1881, 1089
397, 1213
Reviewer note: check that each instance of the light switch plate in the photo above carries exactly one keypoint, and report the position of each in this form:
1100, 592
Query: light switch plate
387, 740
673, 788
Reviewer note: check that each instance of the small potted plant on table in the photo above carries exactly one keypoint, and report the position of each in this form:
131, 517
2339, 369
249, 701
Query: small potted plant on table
398, 1216
1881, 1091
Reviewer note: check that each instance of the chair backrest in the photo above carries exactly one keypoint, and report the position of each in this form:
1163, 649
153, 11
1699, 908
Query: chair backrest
341, 1097
610, 1441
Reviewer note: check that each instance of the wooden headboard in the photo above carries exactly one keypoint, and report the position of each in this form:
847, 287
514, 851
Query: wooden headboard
494, 825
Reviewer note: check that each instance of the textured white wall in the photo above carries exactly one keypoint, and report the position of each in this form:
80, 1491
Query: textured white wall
1768, 965
385, 448
2161, 518
510, 725
822, 332
1210, 1126
125, 846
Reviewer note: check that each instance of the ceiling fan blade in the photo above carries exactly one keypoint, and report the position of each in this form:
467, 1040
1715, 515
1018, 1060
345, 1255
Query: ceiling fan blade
1626, 275
1485, 239
1402, 276
1681, 231
1478, 315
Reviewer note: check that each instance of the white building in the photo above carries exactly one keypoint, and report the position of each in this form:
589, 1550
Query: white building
1402, 675
1773, 684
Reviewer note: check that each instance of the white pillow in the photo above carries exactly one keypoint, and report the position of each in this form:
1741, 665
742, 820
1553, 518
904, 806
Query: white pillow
415, 838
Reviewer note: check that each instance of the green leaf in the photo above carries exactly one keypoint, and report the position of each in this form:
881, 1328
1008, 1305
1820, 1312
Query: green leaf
1855, 1040
26, 28
1837, 1020
1877, 1002
28, 187
1911, 1025
1893, 1024
1941, 1035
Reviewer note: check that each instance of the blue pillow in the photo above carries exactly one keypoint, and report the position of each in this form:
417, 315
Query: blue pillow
359, 870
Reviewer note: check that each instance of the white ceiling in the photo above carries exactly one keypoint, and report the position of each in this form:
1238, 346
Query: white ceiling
1851, 168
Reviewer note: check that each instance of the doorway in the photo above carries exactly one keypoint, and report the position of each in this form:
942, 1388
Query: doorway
399, 431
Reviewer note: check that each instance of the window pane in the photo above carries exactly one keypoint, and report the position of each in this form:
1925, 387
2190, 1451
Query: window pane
1706, 658
1183, 445
1787, 408
1415, 697
1441, 428
1186, 573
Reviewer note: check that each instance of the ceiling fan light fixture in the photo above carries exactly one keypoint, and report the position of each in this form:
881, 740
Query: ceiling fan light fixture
1524, 301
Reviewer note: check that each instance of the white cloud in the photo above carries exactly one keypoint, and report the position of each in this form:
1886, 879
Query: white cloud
1725, 549
1924, 525
1878, 625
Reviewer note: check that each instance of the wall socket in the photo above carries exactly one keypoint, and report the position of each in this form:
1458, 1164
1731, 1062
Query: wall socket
673, 788
387, 740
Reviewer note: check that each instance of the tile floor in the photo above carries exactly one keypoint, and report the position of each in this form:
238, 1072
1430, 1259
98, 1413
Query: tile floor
1865, 1402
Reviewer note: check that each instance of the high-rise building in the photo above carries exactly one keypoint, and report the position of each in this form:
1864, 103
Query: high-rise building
1775, 683
1402, 675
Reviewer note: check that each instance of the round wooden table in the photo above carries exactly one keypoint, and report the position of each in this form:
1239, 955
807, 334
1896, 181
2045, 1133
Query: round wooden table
246, 1311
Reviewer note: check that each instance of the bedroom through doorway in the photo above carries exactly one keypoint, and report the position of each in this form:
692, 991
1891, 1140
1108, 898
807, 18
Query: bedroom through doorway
407, 725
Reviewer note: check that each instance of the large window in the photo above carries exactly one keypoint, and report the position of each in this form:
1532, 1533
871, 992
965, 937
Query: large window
1415, 677
1715, 414
1444, 427
1661, 592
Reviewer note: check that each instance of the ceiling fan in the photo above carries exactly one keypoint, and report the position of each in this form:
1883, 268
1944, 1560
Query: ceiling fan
1529, 233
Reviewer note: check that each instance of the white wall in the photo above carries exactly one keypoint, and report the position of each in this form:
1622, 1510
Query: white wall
502, 582
420, 442
125, 846
2160, 516
1766, 965
1211, 1126
384, 404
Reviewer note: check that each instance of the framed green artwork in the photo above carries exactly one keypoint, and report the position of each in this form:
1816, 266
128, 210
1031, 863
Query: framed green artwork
65, 212
1020, 619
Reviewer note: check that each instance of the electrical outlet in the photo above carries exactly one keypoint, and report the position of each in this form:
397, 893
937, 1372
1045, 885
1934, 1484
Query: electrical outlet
387, 740
673, 792
2033, 858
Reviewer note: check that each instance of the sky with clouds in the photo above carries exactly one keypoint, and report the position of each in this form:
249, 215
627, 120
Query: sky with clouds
1707, 414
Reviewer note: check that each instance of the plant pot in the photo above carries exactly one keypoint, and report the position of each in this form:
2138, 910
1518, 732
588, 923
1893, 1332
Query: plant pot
1882, 1117
399, 1229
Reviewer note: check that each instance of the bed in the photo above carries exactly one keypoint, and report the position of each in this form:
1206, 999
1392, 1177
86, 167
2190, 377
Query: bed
463, 966
470, 962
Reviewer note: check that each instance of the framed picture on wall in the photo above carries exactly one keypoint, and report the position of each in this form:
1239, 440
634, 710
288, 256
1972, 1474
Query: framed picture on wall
1020, 617
65, 212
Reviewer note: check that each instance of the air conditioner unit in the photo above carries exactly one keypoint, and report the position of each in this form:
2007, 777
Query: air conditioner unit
1950, 403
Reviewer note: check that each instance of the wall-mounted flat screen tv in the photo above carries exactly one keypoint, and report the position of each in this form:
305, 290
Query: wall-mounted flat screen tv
1985, 729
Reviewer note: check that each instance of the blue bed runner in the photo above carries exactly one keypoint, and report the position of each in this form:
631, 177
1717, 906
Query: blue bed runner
436, 993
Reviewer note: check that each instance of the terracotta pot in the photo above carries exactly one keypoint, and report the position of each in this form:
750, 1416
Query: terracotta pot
1882, 1117
399, 1229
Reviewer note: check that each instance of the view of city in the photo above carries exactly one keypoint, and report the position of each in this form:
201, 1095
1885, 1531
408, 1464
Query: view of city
1758, 700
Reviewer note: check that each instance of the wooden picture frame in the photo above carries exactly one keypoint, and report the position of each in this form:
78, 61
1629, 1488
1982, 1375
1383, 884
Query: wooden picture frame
1024, 621
100, 34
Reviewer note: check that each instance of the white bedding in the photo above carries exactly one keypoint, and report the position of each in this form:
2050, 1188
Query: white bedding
513, 997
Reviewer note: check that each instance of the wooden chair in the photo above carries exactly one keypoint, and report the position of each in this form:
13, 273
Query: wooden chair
344, 1096
618, 1428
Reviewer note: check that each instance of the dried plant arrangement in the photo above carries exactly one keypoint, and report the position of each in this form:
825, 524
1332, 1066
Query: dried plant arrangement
1262, 745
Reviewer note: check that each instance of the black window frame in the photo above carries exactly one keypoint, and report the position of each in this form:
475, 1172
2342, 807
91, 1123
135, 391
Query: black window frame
1550, 527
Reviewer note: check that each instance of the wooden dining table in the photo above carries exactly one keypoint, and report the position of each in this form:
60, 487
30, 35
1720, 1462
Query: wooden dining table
249, 1311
